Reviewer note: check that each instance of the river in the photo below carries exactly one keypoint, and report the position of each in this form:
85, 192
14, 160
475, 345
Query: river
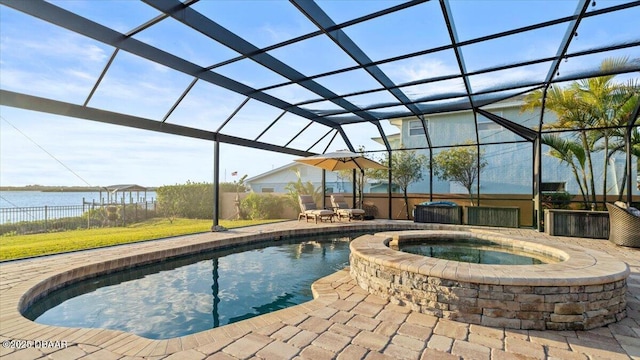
11, 199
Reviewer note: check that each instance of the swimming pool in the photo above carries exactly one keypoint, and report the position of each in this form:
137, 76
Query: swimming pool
191, 294
476, 252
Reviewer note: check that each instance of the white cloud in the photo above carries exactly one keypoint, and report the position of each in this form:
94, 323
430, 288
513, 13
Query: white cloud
275, 34
72, 88
60, 46
60, 65
509, 76
420, 69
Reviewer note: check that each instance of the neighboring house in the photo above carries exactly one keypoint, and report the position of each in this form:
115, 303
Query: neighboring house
277, 179
510, 164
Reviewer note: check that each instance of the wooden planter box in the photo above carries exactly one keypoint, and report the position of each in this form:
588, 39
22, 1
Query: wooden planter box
438, 214
577, 223
503, 216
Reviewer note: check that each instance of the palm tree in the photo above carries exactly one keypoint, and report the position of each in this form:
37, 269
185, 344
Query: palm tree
619, 145
572, 153
298, 187
605, 100
572, 114
627, 96
596, 102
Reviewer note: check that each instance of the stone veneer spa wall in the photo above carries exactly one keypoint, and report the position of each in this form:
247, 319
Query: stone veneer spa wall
585, 290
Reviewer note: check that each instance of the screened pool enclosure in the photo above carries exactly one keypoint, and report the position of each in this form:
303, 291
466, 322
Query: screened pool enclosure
309, 77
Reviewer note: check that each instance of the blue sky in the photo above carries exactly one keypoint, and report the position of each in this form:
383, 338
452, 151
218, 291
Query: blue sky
40, 59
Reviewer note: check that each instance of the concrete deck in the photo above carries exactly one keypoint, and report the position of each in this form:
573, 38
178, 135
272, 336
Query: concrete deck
343, 322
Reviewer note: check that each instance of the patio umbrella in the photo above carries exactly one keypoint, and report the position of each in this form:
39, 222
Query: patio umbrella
341, 160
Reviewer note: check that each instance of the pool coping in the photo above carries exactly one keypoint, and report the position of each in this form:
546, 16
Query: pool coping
15, 326
21, 281
584, 290
589, 267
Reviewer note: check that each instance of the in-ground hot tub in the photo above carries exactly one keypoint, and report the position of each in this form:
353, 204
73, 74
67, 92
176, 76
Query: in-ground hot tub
583, 289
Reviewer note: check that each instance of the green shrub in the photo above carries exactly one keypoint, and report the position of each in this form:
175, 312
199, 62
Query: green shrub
555, 200
259, 207
298, 187
112, 213
42, 226
191, 200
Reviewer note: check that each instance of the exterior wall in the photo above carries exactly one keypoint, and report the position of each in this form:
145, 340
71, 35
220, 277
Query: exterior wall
228, 208
523, 202
278, 179
381, 203
510, 166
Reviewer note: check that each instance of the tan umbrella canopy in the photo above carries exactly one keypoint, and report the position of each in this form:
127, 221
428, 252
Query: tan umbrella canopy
341, 160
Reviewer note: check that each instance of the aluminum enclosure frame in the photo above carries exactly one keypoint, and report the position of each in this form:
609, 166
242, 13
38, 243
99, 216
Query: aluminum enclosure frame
347, 112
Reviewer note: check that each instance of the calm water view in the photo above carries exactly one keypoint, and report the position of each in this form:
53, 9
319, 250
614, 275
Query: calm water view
10, 199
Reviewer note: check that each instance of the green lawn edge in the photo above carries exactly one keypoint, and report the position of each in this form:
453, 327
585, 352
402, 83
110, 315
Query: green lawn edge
33, 245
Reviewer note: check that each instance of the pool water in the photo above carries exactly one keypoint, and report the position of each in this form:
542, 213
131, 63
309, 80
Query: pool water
188, 295
475, 252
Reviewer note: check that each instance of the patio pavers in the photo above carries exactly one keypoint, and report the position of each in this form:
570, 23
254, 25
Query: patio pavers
343, 322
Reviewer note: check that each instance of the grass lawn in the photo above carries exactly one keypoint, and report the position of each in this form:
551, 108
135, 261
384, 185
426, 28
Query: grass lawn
22, 246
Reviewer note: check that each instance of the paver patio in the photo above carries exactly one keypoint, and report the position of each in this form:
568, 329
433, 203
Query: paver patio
343, 322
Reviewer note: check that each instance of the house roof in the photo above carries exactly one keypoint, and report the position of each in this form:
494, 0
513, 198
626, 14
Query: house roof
274, 171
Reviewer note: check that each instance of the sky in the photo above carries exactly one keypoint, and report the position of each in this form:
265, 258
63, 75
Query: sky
40, 59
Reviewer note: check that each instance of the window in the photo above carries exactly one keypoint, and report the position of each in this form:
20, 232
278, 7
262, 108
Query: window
267, 190
415, 127
552, 186
485, 124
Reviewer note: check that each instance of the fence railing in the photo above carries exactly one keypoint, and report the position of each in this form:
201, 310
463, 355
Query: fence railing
36, 219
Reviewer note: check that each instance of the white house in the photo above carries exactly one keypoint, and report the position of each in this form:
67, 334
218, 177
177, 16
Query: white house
509, 167
277, 179
510, 161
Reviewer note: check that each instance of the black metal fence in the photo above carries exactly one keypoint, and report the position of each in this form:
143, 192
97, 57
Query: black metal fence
37, 219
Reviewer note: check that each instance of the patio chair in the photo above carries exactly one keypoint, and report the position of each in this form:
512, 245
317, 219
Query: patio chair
309, 210
345, 211
624, 227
